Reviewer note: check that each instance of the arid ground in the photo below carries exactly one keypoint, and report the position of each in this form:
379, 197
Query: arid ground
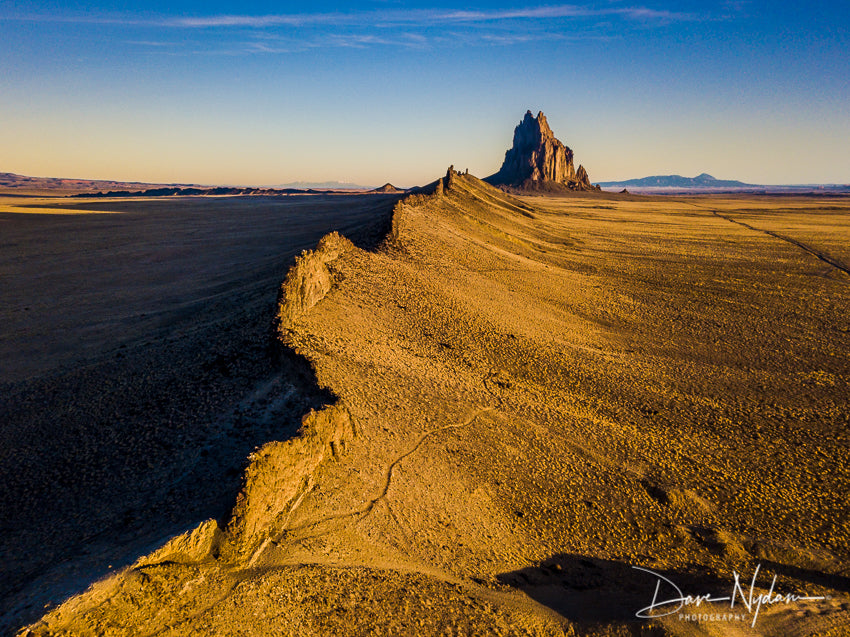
508, 404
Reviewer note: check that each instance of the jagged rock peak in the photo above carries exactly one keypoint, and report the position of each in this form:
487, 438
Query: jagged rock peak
581, 176
539, 123
537, 158
450, 177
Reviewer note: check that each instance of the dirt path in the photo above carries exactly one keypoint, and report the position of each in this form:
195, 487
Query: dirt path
814, 252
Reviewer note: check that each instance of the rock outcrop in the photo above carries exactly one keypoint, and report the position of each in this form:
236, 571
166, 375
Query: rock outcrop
309, 280
582, 179
538, 160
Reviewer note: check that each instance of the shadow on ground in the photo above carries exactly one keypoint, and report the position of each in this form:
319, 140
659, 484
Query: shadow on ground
105, 461
589, 591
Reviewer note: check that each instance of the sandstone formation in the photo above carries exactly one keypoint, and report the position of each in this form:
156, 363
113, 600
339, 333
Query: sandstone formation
538, 160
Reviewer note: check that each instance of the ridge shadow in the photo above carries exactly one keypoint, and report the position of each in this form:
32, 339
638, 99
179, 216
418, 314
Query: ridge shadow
103, 462
588, 590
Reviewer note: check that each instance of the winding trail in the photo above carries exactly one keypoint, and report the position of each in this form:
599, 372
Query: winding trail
388, 475
806, 248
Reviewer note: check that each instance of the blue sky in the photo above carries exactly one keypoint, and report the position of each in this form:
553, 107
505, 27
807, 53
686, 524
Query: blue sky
266, 93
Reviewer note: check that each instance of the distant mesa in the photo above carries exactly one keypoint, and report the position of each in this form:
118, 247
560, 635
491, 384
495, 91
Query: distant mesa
706, 184
539, 161
703, 181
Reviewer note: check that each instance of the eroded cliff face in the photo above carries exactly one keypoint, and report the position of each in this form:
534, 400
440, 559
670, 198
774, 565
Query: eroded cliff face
538, 158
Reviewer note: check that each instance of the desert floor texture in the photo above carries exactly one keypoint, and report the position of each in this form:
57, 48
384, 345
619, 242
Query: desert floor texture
506, 405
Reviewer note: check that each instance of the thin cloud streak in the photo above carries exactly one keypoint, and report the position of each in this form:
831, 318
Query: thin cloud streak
424, 18
294, 20
419, 17
564, 11
406, 29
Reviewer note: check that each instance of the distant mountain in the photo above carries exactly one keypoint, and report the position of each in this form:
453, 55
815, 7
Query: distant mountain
23, 183
703, 181
324, 185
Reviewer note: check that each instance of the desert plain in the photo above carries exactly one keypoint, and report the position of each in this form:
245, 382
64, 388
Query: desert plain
460, 412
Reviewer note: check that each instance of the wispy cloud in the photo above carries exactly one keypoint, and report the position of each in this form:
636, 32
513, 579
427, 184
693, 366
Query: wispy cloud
337, 40
654, 15
153, 43
389, 27
413, 17
261, 21
426, 18
535, 13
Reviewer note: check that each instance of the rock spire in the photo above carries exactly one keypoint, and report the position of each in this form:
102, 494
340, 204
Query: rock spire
537, 159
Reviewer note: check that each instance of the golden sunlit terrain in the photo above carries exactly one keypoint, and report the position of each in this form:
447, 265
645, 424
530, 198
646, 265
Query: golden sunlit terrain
517, 401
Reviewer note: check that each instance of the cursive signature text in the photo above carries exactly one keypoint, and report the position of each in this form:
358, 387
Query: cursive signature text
669, 599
